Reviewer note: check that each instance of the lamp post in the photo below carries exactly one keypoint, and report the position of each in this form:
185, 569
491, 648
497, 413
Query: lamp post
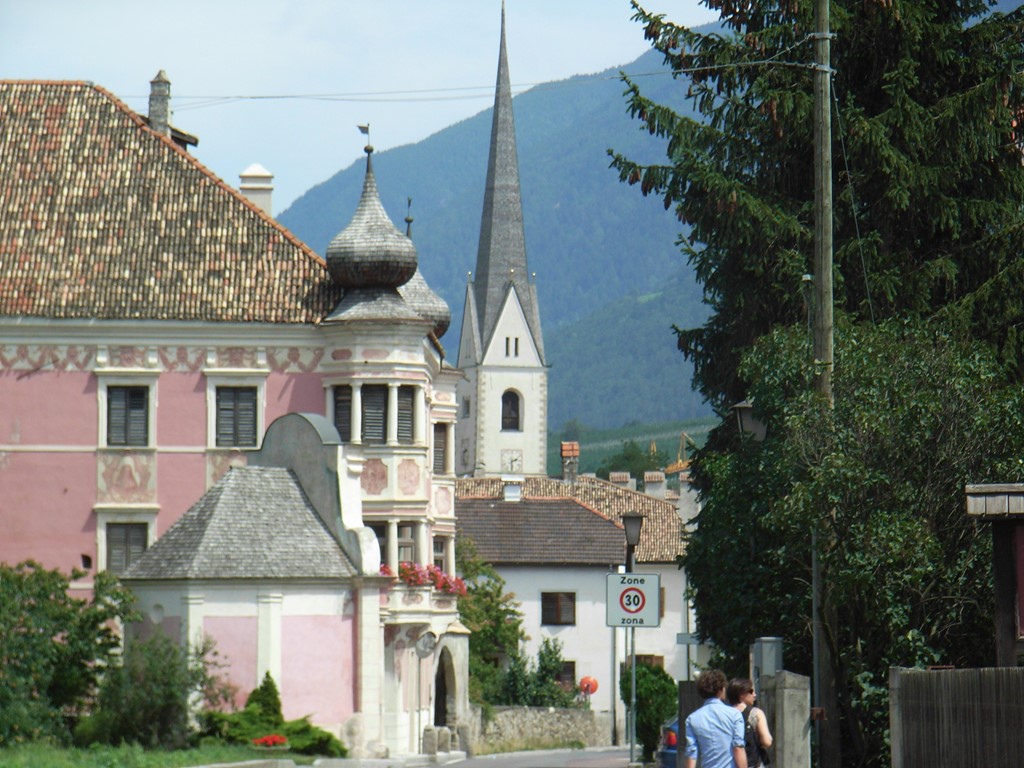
632, 523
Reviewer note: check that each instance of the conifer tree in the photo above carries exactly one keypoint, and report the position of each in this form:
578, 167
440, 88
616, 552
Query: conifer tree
927, 166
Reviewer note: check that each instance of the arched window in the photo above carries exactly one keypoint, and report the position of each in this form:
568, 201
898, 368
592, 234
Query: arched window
510, 412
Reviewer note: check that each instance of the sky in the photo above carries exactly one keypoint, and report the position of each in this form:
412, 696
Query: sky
284, 84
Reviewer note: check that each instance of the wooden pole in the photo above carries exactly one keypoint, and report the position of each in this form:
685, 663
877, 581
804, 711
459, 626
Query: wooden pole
825, 692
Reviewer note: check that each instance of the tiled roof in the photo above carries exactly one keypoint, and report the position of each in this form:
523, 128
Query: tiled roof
660, 538
100, 217
255, 523
539, 531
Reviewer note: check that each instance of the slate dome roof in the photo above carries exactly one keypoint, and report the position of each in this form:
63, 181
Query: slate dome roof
371, 252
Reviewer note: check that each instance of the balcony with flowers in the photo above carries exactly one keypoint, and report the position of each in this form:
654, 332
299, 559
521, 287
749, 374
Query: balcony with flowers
421, 591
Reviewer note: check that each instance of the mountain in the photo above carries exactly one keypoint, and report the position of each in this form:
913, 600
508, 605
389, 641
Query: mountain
610, 278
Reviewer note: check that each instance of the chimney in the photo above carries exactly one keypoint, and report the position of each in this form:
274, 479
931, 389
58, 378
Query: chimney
622, 479
654, 484
257, 184
570, 461
512, 490
160, 104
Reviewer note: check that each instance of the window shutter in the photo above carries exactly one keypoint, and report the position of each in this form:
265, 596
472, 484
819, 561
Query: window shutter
440, 447
566, 608
375, 413
343, 412
117, 415
136, 542
117, 550
138, 416
548, 608
405, 400
128, 416
225, 417
245, 412
126, 542
236, 416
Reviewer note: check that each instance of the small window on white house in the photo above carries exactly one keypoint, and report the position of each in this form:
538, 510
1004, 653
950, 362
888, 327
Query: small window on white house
558, 608
566, 676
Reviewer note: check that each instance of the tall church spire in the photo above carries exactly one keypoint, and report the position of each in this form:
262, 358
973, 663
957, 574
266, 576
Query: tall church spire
501, 256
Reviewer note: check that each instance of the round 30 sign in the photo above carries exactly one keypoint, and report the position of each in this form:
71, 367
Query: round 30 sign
633, 600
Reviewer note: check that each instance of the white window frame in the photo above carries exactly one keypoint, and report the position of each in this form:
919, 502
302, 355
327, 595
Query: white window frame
234, 378
127, 378
107, 514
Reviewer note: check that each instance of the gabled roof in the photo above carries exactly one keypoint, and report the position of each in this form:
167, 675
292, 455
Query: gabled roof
539, 532
101, 217
660, 538
255, 523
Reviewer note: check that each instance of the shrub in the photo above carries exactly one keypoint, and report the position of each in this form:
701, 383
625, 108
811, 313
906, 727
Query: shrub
656, 701
268, 700
147, 698
262, 717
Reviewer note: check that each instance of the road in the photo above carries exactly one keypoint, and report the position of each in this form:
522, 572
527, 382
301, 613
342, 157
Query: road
617, 757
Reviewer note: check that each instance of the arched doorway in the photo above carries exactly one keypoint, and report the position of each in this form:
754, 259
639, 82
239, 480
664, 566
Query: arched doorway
444, 691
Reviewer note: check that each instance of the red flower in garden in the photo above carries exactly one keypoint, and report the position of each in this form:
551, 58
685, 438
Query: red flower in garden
270, 740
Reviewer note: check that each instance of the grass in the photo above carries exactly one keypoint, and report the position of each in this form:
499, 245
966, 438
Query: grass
36, 755
528, 745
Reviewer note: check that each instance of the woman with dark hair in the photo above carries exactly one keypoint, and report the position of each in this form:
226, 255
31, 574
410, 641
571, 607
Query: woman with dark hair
740, 693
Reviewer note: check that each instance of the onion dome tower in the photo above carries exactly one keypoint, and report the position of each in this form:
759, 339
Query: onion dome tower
371, 259
370, 252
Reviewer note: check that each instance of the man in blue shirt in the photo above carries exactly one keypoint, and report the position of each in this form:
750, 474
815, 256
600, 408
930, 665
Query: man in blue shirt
714, 733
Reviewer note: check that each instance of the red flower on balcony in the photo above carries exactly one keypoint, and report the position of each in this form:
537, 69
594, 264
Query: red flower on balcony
415, 575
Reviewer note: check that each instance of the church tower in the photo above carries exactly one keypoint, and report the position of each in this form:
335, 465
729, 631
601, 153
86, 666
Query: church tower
502, 427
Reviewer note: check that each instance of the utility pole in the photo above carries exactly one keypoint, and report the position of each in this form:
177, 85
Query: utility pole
825, 701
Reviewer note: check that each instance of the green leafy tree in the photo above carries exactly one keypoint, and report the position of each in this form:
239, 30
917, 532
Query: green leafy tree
54, 647
548, 691
656, 701
918, 414
492, 615
633, 459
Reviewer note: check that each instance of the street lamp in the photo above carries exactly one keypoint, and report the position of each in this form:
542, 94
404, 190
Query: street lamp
632, 523
749, 423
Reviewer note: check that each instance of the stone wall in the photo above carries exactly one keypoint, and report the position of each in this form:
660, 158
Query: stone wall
514, 727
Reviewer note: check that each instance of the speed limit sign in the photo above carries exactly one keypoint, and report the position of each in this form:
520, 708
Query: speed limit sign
634, 600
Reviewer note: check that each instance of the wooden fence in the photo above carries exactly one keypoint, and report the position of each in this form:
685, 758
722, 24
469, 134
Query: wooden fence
965, 717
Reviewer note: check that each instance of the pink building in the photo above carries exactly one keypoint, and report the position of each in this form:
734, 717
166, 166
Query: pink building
153, 323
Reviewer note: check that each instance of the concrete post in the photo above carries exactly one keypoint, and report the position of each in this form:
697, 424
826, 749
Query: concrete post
787, 704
